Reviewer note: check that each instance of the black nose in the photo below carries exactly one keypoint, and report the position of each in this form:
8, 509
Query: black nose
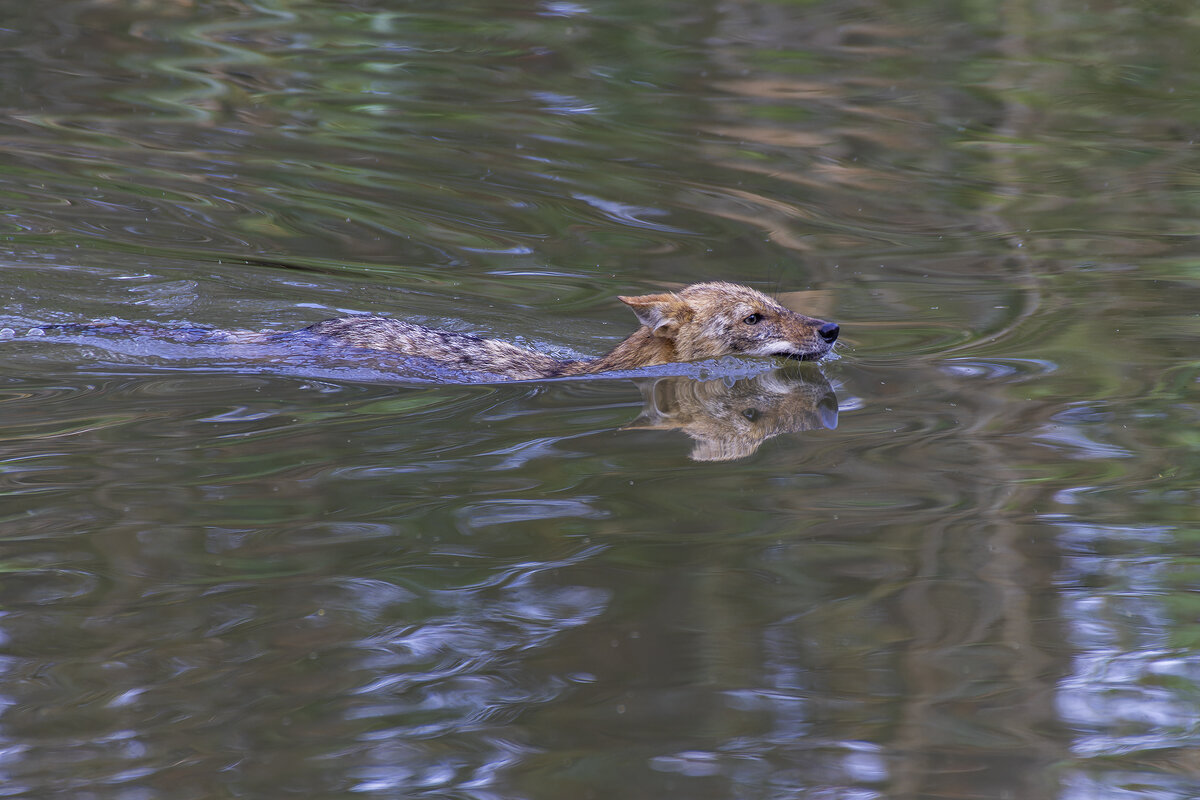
829, 331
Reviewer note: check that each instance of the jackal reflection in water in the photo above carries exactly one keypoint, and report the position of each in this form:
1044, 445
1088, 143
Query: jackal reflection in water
729, 420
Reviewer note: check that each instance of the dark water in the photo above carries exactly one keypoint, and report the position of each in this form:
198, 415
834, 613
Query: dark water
958, 561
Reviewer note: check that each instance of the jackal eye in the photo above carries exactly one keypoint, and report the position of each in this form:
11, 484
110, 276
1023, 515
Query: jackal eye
753, 319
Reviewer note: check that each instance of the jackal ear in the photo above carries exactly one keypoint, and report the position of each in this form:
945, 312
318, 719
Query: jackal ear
661, 313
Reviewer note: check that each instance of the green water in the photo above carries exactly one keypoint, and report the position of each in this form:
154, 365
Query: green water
959, 560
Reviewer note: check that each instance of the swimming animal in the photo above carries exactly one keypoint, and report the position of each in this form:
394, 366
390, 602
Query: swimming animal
704, 320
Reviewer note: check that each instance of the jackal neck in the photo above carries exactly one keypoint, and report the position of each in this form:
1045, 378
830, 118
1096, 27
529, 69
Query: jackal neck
640, 349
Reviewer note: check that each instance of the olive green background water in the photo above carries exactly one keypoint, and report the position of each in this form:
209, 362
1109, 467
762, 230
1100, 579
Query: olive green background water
259, 578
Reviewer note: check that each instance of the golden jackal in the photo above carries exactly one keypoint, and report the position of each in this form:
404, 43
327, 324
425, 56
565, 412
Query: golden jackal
704, 320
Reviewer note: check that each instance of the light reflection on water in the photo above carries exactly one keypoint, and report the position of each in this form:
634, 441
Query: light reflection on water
956, 561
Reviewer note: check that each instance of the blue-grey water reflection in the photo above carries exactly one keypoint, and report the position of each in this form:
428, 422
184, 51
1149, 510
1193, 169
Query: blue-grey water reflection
956, 561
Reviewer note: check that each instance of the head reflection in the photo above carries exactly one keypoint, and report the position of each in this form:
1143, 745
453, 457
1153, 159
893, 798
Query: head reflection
730, 419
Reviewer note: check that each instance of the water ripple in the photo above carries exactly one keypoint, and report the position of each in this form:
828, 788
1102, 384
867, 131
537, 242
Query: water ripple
228, 573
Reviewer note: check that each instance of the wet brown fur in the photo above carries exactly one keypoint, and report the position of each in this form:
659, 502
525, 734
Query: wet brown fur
704, 320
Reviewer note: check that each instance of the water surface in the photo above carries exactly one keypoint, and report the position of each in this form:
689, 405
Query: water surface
958, 560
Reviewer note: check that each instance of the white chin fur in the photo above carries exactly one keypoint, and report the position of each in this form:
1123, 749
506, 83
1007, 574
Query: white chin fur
774, 349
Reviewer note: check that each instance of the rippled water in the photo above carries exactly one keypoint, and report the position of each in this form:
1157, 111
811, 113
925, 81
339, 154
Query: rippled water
958, 560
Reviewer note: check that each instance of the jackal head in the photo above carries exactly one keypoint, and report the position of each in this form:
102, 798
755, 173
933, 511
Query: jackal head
708, 320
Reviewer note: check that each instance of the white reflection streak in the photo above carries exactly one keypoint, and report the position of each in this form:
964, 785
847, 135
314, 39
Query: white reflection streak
629, 214
1125, 693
